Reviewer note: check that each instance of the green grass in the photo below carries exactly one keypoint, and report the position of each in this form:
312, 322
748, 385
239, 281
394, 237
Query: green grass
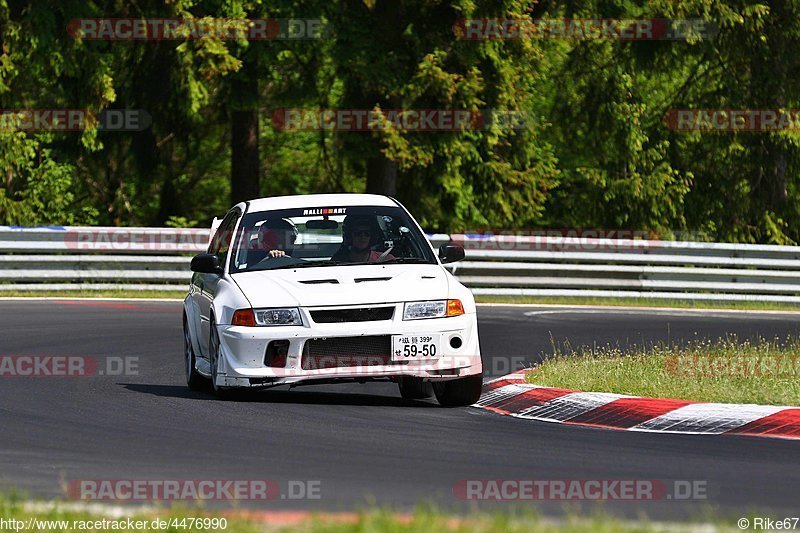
95, 294
761, 372
567, 301
638, 302
424, 519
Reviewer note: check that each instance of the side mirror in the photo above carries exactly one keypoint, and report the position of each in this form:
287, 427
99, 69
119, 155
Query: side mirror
206, 264
450, 252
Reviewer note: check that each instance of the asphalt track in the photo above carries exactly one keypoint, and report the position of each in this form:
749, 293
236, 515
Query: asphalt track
361, 442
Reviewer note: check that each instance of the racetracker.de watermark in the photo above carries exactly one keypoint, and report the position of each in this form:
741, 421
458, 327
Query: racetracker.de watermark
422, 120
733, 366
564, 239
584, 29
33, 523
178, 29
580, 489
136, 239
374, 365
193, 489
725, 120
66, 366
65, 120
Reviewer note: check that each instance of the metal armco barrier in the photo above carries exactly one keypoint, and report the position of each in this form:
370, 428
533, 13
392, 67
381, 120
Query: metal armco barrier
89, 258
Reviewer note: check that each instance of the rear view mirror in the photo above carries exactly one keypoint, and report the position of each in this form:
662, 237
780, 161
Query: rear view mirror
322, 224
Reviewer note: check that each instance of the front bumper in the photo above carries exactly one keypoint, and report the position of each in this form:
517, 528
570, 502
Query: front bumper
243, 350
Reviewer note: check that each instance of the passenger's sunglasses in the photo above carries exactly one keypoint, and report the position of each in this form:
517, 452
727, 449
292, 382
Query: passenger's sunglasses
362, 233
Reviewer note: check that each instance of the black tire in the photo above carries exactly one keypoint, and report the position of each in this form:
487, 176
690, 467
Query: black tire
194, 380
414, 388
459, 392
221, 393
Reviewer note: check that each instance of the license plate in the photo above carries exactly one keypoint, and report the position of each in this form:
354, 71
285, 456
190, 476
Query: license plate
415, 347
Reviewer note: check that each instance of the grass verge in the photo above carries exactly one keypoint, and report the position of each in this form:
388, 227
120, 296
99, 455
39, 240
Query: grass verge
729, 371
94, 294
20, 515
638, 302
566, 301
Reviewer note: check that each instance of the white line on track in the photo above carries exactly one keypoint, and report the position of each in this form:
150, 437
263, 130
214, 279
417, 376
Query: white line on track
72, 298
571, 307
664, 311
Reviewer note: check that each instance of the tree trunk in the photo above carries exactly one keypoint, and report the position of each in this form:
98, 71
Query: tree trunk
381, 176
245, 161
770, 182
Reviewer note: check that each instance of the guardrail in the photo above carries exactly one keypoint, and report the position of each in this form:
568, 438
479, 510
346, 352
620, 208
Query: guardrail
97, 258
89, 258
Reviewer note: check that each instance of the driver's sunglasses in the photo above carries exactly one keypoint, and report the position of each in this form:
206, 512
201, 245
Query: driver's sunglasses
362, 233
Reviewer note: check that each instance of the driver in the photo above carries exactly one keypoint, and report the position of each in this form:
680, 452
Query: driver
276, 238
360, 233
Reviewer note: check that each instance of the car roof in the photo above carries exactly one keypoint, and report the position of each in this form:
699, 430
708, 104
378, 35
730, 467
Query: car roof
318, 200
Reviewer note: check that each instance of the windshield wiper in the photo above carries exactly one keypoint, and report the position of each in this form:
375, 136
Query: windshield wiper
305, 264
417, 260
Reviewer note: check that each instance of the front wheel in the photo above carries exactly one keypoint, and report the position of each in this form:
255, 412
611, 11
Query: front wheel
222, 393
414, 388
459, 392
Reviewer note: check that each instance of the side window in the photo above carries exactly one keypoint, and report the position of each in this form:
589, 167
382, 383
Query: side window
221, 242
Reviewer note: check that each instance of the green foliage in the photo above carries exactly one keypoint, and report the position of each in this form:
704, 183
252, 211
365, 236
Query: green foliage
179, 222
594, 151
37, 190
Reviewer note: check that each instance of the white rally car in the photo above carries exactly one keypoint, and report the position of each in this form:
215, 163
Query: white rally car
330, 288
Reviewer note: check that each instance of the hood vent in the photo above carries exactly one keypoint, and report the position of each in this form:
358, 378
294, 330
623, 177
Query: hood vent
360, 280
319, 281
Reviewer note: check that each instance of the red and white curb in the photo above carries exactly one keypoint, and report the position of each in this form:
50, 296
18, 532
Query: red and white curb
511, 395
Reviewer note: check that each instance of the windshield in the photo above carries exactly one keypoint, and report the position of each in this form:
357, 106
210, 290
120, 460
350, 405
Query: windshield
327, 236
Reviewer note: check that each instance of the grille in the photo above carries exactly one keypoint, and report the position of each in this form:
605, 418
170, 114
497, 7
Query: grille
364, 314
337, 352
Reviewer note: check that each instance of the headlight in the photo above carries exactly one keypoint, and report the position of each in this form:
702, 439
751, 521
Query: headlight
432, 309
416, 310
289, 316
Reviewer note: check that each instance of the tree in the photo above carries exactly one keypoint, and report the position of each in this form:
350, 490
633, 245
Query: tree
403, 54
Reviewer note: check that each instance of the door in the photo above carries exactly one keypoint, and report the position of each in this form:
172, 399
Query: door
205, 285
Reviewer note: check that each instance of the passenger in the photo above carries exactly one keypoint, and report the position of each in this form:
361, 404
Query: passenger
359, 234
